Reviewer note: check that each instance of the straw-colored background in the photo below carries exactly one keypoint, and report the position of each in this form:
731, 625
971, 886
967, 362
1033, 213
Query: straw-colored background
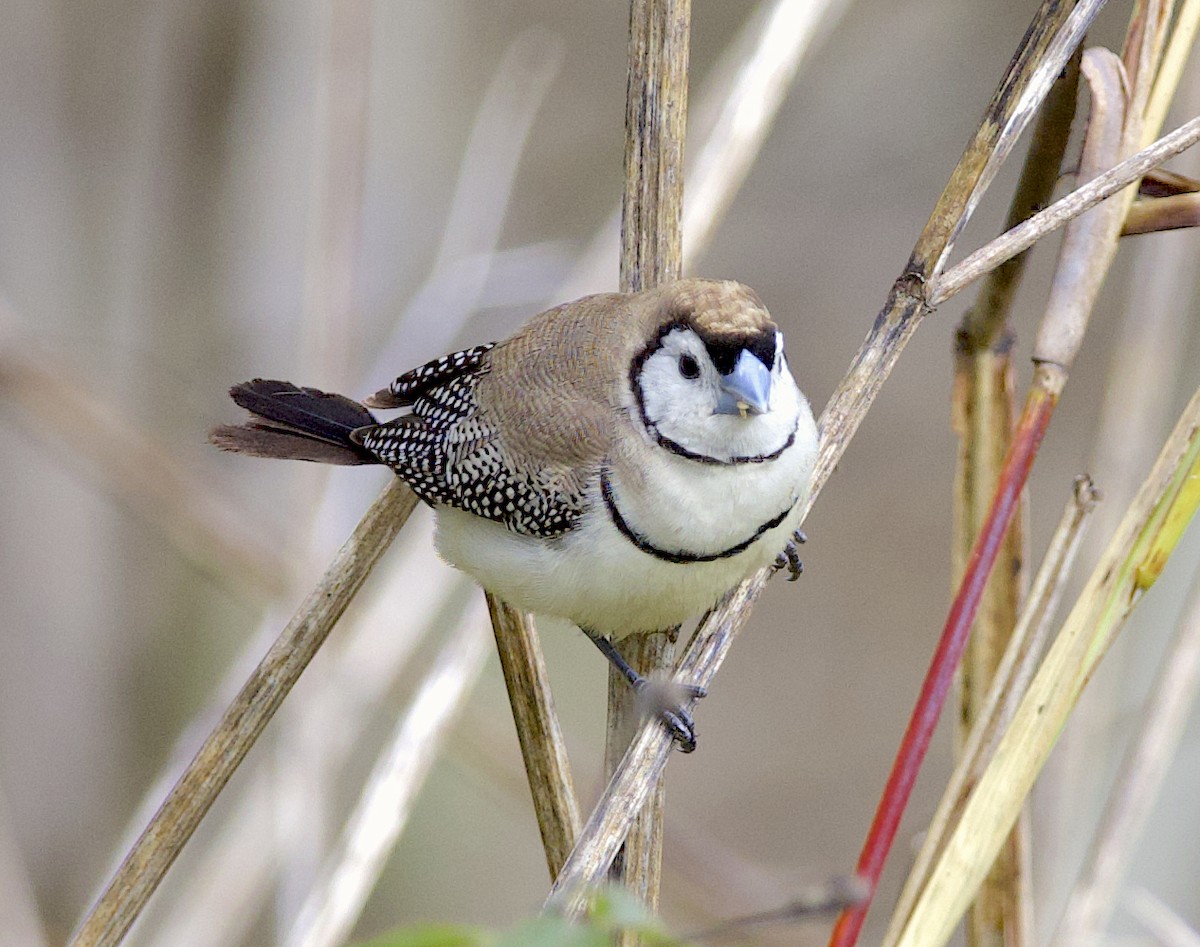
160, 188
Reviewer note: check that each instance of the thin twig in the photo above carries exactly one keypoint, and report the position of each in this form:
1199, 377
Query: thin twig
336, 900
207, 774
1056, 215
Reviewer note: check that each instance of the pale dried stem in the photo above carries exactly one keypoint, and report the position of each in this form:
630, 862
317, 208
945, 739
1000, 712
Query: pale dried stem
1090, 241
1170, 73
542, 747
711, 880
1007, 686
746, 108
985, 323
335, 902
1162, 213
207, 774
1025, 235
1041, 58
651, 254
1135, 792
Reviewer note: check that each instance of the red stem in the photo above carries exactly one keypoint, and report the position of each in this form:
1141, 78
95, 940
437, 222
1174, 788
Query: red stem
1026, 440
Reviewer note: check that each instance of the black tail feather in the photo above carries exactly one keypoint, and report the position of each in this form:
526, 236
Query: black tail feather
296, 424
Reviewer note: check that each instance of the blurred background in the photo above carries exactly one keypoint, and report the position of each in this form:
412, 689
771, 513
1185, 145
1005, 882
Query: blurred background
196, 193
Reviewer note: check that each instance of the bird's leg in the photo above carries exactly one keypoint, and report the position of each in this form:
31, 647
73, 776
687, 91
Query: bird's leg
665, 699
790, 557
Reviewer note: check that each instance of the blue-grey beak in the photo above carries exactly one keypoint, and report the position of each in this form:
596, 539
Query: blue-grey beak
746, 389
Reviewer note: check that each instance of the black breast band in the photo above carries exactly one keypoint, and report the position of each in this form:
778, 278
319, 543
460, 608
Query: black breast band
680, 556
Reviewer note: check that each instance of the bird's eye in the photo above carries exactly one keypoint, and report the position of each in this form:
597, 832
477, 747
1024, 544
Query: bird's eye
689, 367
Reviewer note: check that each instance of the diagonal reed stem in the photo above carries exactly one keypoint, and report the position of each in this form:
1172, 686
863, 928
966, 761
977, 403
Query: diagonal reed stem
196, 790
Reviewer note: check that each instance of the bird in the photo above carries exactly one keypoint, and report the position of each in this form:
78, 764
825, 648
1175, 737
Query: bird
621, 461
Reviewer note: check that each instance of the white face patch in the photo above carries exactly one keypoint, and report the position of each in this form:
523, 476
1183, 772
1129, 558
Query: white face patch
679, 388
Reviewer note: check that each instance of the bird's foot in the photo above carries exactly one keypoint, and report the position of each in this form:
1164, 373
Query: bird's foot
789, 559
668, 701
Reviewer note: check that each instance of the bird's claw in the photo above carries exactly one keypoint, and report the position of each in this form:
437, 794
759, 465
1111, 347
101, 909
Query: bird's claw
668, 700
789, 559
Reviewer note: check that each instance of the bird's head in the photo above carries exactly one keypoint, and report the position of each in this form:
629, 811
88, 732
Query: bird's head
712, 379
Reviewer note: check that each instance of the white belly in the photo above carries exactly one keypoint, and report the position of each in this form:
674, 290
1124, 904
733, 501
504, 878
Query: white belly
599, 578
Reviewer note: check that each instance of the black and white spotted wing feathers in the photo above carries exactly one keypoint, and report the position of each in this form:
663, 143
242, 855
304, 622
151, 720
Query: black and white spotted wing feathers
449, 452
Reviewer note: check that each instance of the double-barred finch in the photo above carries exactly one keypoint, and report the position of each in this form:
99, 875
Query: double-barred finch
621, 461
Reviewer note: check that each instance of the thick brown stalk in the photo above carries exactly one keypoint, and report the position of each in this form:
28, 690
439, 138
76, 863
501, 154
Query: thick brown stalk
651, 253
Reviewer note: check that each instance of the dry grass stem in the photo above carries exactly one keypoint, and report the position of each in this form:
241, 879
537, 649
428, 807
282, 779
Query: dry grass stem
1008, 684
709, 878
983, 411
1135, 793
651, 254
985, 323
336, 901
638, 771
231, 873
1056, 31
1170, 72
1144, 541
775, 44
1090, 240
542, 747
1162, 213
1022, 237
207, 774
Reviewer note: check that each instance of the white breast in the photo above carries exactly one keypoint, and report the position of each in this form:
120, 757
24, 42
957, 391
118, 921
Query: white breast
599, 578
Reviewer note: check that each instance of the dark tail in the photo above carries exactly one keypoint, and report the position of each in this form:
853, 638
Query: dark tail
295, 424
